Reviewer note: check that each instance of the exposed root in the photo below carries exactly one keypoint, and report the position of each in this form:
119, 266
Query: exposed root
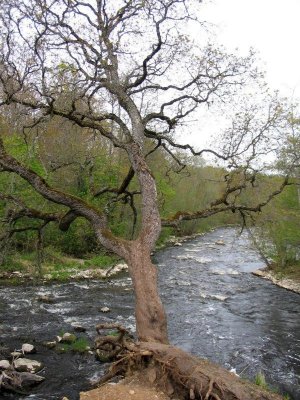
210, 388
109, 346
174, 371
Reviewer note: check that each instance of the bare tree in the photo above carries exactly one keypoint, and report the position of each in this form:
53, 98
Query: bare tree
135, 54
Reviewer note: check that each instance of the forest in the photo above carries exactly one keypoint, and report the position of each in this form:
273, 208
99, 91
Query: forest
76, 160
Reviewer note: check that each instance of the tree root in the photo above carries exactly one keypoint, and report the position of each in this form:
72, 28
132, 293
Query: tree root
175, 372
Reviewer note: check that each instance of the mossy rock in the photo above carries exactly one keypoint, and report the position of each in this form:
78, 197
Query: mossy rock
68, 338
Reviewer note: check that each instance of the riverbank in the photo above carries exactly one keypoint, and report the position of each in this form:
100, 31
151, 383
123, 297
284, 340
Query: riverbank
283, 281
130, 388
57, 267
61, 268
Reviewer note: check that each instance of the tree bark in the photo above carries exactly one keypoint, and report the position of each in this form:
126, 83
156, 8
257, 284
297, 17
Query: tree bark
151, 321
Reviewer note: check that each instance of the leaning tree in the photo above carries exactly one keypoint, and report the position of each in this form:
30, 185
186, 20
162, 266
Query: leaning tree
138, 56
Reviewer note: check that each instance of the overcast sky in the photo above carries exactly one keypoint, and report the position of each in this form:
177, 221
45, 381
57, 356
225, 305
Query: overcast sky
270, 26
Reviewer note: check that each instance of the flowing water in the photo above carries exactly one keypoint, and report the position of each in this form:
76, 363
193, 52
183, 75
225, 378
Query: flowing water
216, 309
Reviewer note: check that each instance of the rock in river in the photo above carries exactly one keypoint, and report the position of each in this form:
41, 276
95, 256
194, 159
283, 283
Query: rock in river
44, 298
26, 365
50, 344
16, 354
4, 364
28, 348
79, 328
105, 309
68, 338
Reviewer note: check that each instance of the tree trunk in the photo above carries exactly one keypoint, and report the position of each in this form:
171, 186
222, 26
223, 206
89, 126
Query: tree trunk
151, 321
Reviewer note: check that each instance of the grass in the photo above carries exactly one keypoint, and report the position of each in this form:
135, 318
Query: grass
56, 266
291, 271
13, 264
260, 381
101, 261
62, 276
79, 346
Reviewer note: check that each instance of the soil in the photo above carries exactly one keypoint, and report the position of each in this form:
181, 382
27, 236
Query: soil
162, 371
133, 388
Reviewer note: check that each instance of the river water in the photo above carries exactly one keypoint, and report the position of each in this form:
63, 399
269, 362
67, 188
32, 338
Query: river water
216, 309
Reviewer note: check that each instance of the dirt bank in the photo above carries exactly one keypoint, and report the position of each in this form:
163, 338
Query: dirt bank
133, 388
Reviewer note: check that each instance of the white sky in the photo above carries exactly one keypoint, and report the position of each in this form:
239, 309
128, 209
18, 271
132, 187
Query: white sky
272, 28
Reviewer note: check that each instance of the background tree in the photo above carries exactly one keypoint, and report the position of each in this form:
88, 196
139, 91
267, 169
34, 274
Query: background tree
278, 225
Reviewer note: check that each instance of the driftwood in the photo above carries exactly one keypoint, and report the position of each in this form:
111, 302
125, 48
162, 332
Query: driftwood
18, 382
176, 372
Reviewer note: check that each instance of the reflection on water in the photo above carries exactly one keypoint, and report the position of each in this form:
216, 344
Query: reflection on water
216, 309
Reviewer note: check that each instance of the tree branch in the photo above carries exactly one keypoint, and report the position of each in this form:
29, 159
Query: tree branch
213, 210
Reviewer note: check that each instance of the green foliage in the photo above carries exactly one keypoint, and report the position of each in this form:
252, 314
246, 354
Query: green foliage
81, 345
16, 146
77, 241
260, 380
279, 232
12, 264
164, 236
100, 261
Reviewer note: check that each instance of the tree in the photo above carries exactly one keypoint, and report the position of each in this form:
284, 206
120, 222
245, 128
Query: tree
289, 154
134, 54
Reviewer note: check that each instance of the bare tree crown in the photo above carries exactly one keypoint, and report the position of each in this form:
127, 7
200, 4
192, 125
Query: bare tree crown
128, 70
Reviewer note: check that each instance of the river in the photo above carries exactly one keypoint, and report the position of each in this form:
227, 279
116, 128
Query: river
216, 309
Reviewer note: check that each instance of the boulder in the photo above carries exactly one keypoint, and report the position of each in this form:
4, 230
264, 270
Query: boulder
28, 379
4, 364
50, 345
68, 338
27, 365
79, 328
28, 348
14, 380
220, 242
